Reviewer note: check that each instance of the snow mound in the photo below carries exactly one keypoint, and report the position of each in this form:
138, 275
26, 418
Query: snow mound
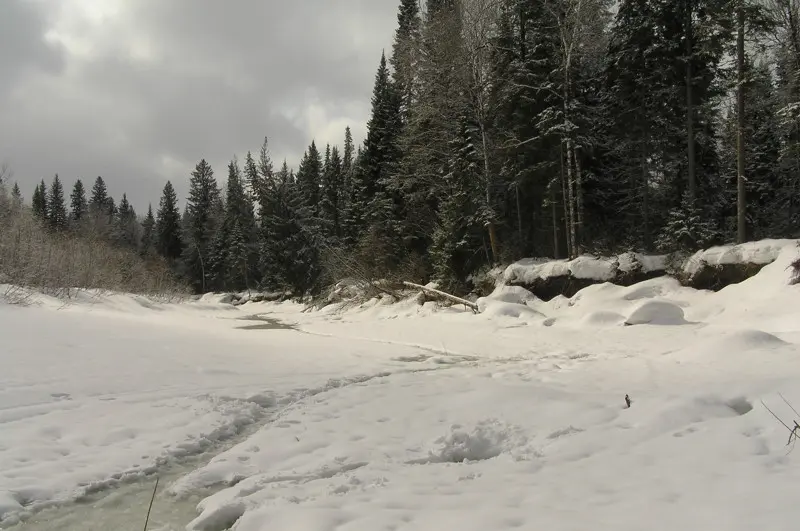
601, 269
512, 294
585, 267
650, 289
656, 313
495, 309
759, 252
217, 518
603, 318
741, 341
487, 440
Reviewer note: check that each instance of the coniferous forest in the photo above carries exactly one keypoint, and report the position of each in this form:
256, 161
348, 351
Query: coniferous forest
503, 129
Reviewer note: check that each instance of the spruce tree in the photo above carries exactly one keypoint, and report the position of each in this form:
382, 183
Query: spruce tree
39, 202
405, 54
98, 203
201, 211
330, 203
79, 206
148, 244
309, 177
289, 257
57, 208
125, 231
16, 197
168, 241
233, 253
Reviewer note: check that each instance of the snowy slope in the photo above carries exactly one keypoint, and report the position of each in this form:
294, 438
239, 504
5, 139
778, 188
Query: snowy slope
413, 417
528, 428
96, 393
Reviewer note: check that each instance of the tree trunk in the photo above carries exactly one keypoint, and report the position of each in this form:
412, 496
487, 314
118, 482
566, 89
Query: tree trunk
692, 182
579, 192
490, 223
519, 212
564, 199
741, 205
556, 242
571, 199
647, 237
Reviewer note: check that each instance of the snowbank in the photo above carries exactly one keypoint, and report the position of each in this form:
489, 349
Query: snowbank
547, 279
761, 252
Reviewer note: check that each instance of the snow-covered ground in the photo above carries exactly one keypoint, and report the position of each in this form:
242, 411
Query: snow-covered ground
415, 418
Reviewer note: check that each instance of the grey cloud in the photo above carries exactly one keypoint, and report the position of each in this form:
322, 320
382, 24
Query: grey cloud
22, 44
220, 78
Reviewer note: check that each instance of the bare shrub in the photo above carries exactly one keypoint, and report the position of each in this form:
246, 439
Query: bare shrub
369, 270
795, 272
62, 264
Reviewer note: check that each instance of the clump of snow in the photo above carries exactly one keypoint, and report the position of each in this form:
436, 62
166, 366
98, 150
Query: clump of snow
656, 313
487, 440
603, 318
758, 252
632, 262
497, 309
593, 268
512, 294
583, 267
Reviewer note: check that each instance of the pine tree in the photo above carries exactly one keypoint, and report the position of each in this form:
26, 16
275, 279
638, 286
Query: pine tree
168, 241
374, 201
39, 202
289, 258
79, 206
201, 216
251, 177
57, 208
16, 197
405, 54
98, 203
148, 244
126, 227
330, 205
233, 252
309, 177
687, 229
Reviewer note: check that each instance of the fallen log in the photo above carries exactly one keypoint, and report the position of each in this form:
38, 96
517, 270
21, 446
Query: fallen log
443, 295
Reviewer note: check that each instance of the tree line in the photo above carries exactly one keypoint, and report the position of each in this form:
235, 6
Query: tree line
508, 128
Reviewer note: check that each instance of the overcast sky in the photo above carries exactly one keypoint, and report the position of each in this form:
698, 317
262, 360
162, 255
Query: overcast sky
138, 91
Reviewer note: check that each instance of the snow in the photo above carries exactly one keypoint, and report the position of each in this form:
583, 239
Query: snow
584, 267
758, 252
657, 313
401, 416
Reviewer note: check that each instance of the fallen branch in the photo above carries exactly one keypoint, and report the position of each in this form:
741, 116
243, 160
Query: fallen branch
794, 432
150, 508
443, 295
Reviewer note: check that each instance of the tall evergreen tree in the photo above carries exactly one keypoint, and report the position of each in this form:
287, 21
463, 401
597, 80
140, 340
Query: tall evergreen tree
99, 200
405, 54
330, 205
168, 240
233, 255
126, 226
57, 208
16, 196
204, 199
79, 206
309, 178
39, 202
148, 244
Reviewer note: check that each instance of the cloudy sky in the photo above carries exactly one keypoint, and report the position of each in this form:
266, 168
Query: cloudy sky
138, 91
